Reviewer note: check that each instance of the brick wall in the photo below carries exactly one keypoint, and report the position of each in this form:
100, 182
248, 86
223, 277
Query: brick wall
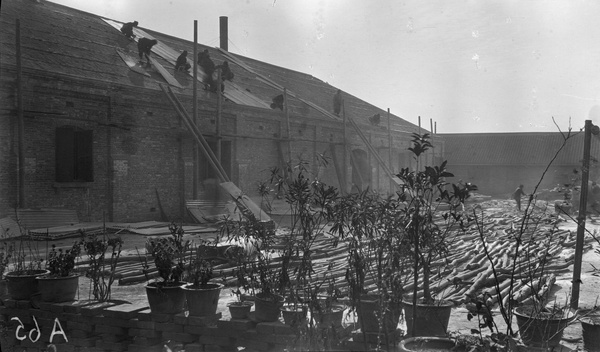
142, 151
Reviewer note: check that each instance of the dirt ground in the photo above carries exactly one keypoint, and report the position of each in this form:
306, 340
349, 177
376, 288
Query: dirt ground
572, 340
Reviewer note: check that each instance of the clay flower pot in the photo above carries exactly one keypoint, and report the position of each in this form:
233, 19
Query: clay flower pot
590, 325
431, 320
294, 314
165, 299
202, 300
58, 289
327, 318
541, 329
23, 286
267, 307
239, 310
419, 344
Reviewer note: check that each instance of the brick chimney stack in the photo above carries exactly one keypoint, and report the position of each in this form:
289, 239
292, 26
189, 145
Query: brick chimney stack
223, 33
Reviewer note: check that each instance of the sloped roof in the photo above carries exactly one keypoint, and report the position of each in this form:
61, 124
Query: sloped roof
66, 41
535, 148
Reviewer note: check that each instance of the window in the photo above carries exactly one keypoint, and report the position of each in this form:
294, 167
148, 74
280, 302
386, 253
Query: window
74, 157
206, 169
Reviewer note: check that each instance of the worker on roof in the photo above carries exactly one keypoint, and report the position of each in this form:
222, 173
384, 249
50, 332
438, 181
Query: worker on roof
208, 66
337, 102
144, 47
278, 101
226, 73
127, 29
181, 64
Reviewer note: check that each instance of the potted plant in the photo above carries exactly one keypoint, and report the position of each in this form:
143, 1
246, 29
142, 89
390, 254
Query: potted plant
256, 273
239, 309
294, 310
166, 295
60, 284
5, 255
590, 324
202, 297
377, 270
542, 326
325, 309
21, 280
101, 270
428, 234
590, 319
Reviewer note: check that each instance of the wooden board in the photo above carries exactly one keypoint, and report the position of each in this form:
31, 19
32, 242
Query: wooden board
239, 95
233, 92
164, 73
239, 197
133, 64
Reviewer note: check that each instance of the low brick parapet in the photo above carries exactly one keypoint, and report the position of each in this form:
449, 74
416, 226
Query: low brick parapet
112, 326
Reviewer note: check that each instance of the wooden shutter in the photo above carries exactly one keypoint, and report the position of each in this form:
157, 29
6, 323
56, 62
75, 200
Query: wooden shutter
65, 148
84, 157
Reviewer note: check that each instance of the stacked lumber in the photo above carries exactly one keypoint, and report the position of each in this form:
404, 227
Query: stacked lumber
499, 273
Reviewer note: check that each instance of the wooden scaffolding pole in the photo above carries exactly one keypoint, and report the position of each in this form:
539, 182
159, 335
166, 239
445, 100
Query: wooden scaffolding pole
345, 163
219, 115
20, 121
582, 213
287, 122
390, 147
195, 151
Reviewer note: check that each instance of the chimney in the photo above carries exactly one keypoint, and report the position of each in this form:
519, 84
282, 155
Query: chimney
223, 33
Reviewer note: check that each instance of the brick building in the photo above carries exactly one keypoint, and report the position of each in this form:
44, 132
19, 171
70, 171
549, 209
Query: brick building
81, 129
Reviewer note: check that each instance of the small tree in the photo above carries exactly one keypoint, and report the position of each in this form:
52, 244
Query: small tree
169, 255
101, 270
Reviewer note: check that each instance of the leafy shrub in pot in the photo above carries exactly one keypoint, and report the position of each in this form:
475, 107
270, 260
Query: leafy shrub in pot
60, 284
166, 296
202, 297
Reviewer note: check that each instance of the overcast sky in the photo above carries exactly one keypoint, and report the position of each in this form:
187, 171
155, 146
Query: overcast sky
471, 66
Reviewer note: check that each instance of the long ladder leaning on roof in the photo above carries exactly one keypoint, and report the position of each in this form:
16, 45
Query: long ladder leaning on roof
275, 85
243, 201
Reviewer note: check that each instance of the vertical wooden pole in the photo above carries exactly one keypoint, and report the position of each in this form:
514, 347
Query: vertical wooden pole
345, 173
110, 190
20, 122
195, 151
419, 158
219, 111
581, 217
390, 147
431, 125
370, 163
287, 121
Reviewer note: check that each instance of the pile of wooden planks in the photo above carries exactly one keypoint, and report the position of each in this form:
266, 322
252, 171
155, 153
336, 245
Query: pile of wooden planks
546, 250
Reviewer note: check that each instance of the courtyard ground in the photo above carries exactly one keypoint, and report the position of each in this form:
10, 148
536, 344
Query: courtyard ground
572, 338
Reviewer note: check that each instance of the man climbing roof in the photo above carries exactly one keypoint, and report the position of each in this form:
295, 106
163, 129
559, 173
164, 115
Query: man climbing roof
337, 102
278, 102
182, 64
208, 66
144, 47
226, 73
127, 29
